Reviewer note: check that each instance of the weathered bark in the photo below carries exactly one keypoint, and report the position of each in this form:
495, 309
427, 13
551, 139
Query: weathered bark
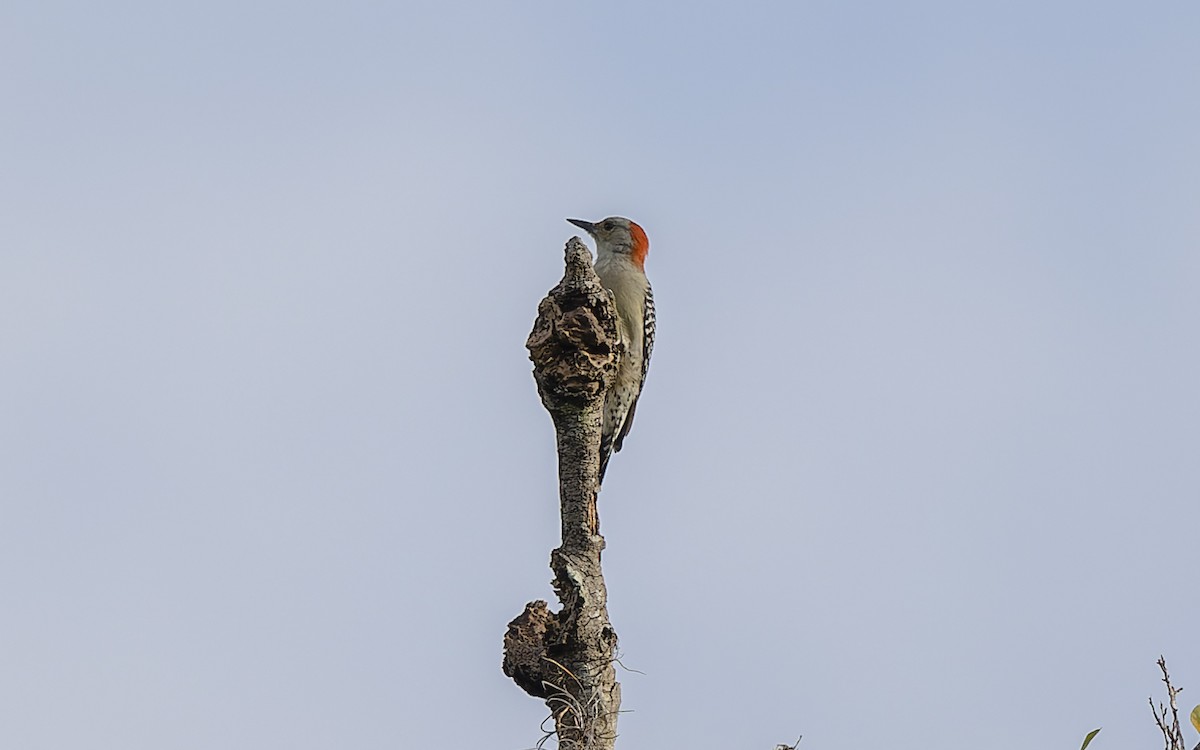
566, 658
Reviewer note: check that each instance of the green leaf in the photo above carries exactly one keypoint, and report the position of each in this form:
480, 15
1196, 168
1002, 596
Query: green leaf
1087, 740
1196, 718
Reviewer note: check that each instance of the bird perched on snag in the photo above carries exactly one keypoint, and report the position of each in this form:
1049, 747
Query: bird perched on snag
621, 248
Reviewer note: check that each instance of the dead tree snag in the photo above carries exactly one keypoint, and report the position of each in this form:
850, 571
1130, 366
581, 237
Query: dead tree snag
566, 658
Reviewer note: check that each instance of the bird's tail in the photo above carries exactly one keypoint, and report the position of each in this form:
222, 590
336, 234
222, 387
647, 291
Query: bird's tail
606, 451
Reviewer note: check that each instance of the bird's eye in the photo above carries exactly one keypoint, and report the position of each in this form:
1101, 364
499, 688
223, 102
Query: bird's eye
608, 226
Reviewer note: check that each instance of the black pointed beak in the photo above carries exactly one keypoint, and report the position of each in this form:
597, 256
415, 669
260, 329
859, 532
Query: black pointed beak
586, 226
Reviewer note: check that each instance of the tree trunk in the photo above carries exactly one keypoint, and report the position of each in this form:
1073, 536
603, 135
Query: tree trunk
566, 658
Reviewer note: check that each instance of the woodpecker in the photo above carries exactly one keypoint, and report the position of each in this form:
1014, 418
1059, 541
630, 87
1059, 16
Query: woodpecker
621, 247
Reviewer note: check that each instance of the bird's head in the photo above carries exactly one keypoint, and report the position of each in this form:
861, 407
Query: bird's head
617, 235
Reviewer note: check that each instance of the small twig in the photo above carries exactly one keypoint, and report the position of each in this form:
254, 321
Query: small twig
1169, 726
621, 664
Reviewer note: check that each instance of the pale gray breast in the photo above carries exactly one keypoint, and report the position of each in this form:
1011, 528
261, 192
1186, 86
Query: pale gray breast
629, 290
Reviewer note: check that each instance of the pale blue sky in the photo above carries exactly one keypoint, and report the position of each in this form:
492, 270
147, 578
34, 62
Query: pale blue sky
917, 461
